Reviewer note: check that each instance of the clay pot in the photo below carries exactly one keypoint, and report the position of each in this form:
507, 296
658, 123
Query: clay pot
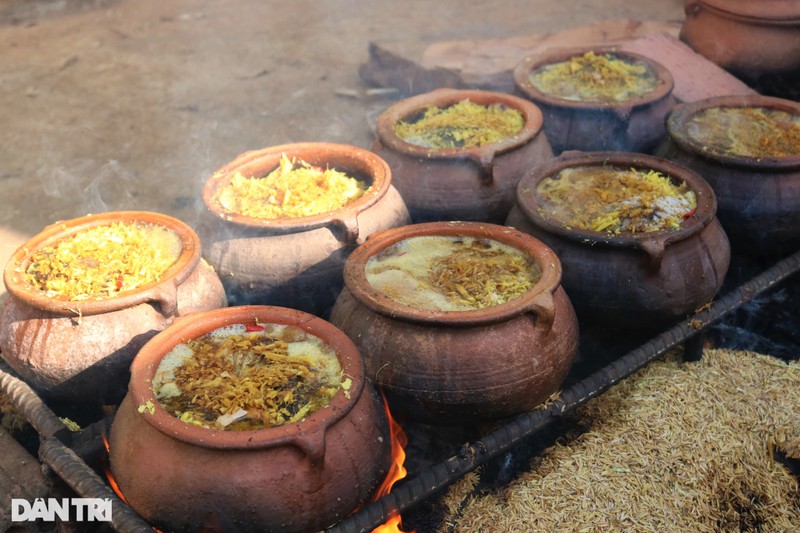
635, 125
296, 262
461, 367
745, 37
80, 351
759, 199
629, 281
475, 183
302, 476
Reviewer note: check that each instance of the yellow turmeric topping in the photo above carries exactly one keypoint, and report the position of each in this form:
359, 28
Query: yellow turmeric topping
245, 377
461, 125
615, 200
746, 131
294, 189
452, 273
593, 77
103, 261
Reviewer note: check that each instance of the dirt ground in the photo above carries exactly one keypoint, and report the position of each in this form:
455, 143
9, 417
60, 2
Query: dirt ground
124, 104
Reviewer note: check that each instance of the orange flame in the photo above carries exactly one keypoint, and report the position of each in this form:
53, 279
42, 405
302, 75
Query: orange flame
397, 471
398, 440
113, 482
109, 476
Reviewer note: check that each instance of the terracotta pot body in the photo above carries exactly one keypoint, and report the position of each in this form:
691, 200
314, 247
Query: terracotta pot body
296, 262
629, 126
81, 351
298, 477
474, 184
638, 281
759, 199
461, 367
746, 37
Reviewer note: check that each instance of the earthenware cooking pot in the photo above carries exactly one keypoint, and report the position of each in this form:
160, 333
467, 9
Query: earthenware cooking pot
81, 350
632, 125
460, 367
759, 198
473, 183
296, 262
297, 477
746, 37
631, 280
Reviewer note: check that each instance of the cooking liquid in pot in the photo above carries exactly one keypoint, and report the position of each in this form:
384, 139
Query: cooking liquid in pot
245, 377
746, 131
595, 77
102, 261
615, 200
451, 273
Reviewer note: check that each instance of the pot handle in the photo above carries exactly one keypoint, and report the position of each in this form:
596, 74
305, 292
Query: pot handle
544, 307
485, 161
654, 253
624, 113
691, 8
347, 229
166, 296
312, 444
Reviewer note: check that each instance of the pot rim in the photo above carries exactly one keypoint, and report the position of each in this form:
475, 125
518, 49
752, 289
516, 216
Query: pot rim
523, 69
776, 13
384, 127
652, 243
341, 156
308, 434
682, 113
161, 291
538, 300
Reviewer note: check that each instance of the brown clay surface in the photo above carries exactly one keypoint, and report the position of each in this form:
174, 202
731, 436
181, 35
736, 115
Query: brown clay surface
119, 104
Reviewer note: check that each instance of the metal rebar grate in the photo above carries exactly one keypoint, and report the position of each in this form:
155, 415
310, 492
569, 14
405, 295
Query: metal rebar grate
411, 491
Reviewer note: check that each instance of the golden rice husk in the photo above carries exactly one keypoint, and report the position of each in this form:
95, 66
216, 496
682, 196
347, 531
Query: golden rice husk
677, 447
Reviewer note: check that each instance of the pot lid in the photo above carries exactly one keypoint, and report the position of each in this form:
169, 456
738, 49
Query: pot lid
779, 11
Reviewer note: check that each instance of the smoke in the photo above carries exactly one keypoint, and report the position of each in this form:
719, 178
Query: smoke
769, 324
96, 187
112, 189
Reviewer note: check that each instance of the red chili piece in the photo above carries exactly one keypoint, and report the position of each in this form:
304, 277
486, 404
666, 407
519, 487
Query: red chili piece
253, 327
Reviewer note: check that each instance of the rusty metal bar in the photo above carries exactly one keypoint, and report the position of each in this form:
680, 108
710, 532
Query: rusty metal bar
411, 491
25, 399
85, 482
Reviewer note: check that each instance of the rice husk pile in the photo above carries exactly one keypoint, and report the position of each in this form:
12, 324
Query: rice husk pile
677, 447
